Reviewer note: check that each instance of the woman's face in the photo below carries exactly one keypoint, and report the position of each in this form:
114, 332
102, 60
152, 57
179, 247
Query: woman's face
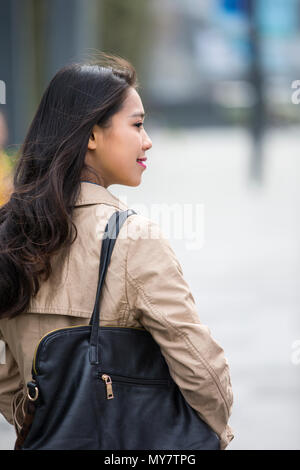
113, 151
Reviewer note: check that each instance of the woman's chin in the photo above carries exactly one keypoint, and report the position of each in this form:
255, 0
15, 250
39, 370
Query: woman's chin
131, 183
134, 181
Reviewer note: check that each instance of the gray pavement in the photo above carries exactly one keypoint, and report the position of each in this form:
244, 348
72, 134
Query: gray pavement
245, 276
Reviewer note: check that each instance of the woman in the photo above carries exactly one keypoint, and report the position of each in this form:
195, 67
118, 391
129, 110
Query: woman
88, 134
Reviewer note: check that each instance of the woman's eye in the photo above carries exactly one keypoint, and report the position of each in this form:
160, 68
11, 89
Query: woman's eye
138, 124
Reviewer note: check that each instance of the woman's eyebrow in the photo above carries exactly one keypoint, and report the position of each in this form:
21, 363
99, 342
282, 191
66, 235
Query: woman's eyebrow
139, 114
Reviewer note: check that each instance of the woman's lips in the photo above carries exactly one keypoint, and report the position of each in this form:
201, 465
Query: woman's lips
141, 163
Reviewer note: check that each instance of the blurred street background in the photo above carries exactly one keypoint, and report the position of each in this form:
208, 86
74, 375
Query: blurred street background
219, 83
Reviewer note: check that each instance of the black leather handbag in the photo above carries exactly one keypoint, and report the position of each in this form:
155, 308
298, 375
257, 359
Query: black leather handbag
107, 387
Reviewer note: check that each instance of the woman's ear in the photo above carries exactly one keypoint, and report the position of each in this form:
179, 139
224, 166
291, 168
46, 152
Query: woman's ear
92, 144
95, 138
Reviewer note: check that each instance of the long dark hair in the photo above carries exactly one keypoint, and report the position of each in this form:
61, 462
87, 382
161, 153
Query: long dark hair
37, 220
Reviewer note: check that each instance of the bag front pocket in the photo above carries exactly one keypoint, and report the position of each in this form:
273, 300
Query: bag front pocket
110, 379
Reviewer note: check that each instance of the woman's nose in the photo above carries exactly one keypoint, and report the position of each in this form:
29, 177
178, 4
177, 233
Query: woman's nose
147, 143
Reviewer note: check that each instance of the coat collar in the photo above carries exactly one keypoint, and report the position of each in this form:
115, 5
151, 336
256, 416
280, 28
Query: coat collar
91, 193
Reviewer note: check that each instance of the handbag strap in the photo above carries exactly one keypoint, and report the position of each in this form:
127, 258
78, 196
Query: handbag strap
111, 233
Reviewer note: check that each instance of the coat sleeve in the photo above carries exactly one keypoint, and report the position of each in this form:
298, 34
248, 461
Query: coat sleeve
10, 381
161, 301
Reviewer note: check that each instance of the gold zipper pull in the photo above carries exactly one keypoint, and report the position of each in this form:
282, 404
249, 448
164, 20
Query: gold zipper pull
108, 383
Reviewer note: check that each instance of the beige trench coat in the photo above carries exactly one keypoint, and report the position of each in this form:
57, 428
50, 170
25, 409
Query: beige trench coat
144, 287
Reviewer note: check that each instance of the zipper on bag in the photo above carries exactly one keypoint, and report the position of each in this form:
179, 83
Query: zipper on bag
51, 332
108, 379
108, 385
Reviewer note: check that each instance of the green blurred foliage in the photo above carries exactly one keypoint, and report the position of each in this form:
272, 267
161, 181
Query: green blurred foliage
6, 170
